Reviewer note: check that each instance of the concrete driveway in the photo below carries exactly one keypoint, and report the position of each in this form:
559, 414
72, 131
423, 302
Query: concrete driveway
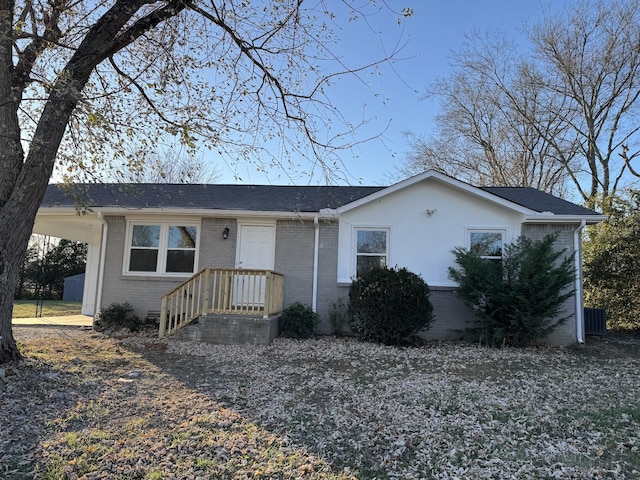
68, 320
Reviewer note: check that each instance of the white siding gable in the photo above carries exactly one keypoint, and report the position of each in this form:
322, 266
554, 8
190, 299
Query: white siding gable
426, 221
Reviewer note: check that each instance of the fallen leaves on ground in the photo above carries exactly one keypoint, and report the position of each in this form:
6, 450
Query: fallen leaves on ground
91, 406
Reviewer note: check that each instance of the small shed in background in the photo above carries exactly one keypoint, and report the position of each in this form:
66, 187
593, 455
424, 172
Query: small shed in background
73, 288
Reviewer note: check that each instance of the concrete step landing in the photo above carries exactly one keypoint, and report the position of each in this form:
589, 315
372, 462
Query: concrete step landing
230, 330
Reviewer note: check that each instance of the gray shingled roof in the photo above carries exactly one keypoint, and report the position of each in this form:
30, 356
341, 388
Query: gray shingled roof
538, 201
263, 198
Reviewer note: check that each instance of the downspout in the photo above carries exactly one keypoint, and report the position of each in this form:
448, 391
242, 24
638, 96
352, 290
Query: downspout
103, 255
577, 241
316, 249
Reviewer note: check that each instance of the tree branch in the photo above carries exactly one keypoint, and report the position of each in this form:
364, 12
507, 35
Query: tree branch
27, 58
144, 95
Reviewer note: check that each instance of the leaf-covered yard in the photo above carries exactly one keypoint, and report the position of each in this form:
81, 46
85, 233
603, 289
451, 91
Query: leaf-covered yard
88, 406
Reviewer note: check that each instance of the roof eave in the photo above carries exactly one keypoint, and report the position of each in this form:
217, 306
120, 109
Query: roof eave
183, 211
551, 218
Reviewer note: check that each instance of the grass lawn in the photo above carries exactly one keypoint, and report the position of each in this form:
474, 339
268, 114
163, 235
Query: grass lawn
89, 406
50, 308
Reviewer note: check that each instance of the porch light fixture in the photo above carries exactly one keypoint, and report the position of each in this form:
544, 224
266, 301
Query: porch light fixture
225, 233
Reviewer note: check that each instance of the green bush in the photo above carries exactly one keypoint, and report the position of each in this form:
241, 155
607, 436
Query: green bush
517, 301
119, 315
612, 263
389, 306
298, 321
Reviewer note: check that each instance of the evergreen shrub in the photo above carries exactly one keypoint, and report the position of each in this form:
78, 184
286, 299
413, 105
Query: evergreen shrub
389, 306
119, 315
517, 301
298, 321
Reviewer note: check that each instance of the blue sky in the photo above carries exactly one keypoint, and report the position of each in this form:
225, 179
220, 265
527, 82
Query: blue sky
436, 28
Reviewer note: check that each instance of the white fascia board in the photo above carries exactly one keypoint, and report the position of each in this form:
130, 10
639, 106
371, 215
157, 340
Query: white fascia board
199, 212
62, 211
219, 213
441, 178
551, 218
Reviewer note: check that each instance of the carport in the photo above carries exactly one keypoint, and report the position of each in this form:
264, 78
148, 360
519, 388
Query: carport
67, 223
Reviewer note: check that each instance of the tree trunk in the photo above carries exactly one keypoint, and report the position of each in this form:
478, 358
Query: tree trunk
12, 248
18, 210
14, 236
23, 181
20, 284
18, 213
20, 197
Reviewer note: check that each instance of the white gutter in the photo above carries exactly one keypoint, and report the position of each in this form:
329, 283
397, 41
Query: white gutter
196, 212
577, 242
316, 250
543, 218
103, 255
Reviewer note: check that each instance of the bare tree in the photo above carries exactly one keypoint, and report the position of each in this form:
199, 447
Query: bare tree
560, 115
169, 166
590, 62
84, 83
484, 135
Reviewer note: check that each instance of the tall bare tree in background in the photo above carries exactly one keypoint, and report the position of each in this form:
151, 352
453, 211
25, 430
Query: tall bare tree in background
85, 85
169, 165
560, 115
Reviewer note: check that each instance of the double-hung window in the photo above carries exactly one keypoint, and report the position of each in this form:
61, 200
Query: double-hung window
487, 243
372, 247
161, 248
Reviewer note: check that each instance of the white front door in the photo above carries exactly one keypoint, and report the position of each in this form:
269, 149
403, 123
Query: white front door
256, 247
256, 251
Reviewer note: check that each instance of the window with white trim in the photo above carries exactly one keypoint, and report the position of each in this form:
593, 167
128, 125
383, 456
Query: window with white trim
372, 247
161, 248
487, 243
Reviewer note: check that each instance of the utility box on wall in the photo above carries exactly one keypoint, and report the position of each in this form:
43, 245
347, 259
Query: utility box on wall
595, 321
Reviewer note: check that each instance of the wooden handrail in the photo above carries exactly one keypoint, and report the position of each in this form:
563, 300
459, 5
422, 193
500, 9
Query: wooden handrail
222, 291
